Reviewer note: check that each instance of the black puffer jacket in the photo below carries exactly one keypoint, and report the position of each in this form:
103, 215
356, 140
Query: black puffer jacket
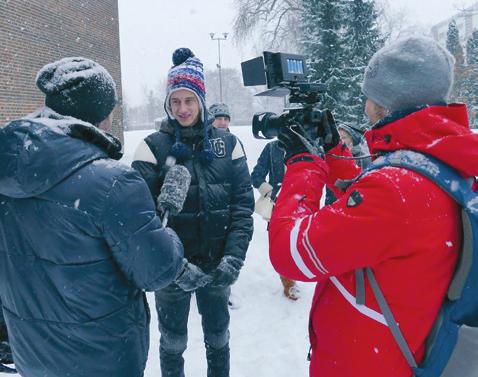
270, 164
216, 219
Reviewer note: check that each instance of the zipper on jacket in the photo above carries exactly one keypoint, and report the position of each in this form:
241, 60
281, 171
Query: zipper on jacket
309, 354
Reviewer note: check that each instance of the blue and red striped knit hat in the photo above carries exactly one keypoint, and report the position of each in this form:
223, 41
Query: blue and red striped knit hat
187, 73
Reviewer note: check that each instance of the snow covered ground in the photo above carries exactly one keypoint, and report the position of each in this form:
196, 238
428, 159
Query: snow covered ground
268, 332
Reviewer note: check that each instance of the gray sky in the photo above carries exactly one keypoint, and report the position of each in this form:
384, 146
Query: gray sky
150, 30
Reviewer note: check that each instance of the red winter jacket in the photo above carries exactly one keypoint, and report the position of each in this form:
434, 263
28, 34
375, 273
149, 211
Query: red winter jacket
393, 220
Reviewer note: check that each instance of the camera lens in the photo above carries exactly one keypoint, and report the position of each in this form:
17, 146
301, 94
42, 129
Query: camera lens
267, 124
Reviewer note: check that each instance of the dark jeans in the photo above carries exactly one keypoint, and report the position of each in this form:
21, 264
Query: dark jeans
173, 304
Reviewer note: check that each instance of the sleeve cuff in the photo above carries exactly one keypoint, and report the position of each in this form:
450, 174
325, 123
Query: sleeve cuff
265, 188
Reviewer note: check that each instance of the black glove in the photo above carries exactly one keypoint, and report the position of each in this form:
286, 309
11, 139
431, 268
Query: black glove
328, 131
294, 140
227, 271
191, 277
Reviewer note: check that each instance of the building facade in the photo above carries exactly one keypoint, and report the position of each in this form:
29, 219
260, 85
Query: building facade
36, 32
466, 21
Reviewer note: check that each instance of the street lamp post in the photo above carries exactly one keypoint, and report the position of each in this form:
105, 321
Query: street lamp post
219, 38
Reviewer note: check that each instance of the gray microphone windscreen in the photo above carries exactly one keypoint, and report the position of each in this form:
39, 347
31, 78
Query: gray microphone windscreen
175, 189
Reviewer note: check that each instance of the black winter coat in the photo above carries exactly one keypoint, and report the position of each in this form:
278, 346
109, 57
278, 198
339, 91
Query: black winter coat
270, 165
216, 219
79, 240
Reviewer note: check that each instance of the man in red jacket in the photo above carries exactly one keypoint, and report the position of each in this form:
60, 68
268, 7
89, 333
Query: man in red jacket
393, 220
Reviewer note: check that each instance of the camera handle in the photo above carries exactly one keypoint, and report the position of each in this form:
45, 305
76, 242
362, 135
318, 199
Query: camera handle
313, 146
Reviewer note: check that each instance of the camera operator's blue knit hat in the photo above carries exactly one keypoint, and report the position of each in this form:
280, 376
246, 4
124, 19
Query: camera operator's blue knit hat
188, 73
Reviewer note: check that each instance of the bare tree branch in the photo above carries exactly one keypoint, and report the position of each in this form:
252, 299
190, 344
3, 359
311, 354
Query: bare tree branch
270, 18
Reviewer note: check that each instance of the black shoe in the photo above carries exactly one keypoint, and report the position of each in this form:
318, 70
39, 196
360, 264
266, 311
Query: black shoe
5, 353
5, 369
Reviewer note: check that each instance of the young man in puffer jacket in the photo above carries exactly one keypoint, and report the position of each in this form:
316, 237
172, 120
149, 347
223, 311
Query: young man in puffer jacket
393, 220
215, 224
79, 235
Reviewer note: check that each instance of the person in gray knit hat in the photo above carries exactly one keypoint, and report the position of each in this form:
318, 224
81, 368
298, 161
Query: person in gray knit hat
393, 220
411, 72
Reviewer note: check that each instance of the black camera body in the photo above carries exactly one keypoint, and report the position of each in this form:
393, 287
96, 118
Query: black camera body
284, 74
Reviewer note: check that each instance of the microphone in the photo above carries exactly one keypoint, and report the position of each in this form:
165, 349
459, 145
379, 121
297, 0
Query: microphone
174, 191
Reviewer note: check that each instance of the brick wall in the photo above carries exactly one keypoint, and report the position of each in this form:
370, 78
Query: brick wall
36, 32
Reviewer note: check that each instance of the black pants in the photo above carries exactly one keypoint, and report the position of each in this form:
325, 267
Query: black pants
173, 304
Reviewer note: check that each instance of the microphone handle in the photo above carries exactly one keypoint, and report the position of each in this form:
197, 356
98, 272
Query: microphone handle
165, 218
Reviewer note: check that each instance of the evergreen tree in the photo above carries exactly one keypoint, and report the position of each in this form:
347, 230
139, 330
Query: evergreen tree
472, 77
472, 49
362, 39
340, 36
453, 40
465, 75
322, 29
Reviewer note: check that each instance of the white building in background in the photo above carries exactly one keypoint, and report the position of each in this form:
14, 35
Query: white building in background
466, 21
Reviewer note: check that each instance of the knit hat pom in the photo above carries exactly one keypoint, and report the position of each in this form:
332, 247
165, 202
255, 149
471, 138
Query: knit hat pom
181, 151
181, 55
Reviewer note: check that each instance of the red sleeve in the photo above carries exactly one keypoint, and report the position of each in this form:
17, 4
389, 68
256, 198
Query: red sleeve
340, 168
311, 244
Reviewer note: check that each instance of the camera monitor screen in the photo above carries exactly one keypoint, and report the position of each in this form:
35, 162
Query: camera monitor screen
291, 67
295, 66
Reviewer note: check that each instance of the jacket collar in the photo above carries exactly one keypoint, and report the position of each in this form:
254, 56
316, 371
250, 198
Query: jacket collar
441, 131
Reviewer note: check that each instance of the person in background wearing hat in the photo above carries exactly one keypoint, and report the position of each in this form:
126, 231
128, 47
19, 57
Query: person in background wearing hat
221, 114
215, 224
222, 119
393, 220
353, 138
267, 178
79, 235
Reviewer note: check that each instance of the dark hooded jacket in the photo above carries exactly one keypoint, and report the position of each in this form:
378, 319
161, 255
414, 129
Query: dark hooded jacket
216, 219
79, 239
270, 164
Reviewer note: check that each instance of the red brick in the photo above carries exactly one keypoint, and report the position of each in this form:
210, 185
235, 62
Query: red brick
36, 32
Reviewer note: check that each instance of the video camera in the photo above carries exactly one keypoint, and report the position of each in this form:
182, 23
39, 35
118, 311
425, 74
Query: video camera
285, 74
